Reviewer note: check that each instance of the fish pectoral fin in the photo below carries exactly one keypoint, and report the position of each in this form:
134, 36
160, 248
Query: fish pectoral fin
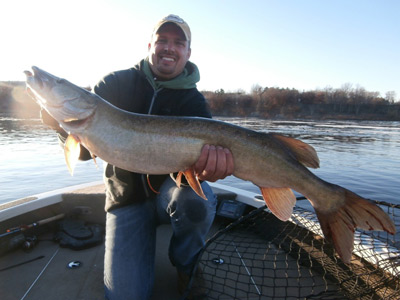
280, 201
339, 225
72, 150
194, 182
303, 152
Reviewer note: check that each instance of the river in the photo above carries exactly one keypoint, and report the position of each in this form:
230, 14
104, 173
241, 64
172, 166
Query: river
363, 156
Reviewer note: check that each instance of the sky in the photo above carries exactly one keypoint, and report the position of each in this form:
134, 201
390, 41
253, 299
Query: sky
306, 45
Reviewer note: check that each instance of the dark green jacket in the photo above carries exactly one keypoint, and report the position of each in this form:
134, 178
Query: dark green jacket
133, 91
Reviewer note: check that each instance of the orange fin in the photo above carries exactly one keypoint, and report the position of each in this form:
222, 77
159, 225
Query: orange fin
72, 150
357, 212
194, 182
303, 152
178, 179
280, 201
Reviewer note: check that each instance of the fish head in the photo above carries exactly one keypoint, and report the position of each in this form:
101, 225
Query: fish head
72, 106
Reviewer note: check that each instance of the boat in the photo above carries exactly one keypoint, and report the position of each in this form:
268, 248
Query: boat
52, 247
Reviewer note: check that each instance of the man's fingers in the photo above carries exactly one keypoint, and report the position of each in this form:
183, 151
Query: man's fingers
220, 167
225, 164
230, 166
202, 160
211, 164
214, 163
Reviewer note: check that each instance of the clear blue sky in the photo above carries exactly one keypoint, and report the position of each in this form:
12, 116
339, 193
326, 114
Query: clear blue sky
305, 44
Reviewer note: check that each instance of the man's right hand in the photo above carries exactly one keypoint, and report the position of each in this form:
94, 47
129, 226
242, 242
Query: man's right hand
214, 163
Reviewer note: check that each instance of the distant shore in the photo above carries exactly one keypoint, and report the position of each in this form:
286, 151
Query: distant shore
272, 103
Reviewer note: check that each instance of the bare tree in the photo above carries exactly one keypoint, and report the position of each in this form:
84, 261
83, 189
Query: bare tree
390, 97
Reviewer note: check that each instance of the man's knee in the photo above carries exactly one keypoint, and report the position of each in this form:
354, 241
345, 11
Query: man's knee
195, 209
186, 202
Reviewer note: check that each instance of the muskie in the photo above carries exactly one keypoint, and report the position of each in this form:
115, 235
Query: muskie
163, 144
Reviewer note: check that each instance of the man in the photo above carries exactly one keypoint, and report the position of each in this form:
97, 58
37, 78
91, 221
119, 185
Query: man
162, 84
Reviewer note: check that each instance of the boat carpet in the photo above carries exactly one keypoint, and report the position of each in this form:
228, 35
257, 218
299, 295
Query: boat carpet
44, 274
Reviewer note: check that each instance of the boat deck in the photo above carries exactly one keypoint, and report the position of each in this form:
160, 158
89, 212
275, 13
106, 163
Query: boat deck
258, 257
42, 273
47, 276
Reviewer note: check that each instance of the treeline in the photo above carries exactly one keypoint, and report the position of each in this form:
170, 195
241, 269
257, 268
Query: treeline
263, 102
14, 98
342, 103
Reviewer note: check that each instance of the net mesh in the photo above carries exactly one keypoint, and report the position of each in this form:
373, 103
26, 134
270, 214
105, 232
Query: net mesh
261, 257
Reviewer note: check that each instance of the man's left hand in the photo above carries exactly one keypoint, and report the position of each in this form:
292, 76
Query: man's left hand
214, 163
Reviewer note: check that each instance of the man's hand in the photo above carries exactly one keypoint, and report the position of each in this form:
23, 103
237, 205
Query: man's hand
214, 163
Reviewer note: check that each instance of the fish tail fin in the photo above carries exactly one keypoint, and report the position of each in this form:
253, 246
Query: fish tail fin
356, 212
280, 201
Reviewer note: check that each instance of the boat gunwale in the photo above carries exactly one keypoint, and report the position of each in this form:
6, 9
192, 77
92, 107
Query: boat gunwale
25, 205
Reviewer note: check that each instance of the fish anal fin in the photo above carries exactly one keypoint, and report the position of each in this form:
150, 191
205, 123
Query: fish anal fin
280, 201
72, 150
194, 182
356, 212
303, 152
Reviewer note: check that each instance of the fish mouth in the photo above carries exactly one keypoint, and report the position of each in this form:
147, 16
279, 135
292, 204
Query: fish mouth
38, 77
30, 79
28, 73
35, 76
35, 85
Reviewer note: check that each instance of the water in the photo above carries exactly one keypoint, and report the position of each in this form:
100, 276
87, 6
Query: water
32, 161
362, 156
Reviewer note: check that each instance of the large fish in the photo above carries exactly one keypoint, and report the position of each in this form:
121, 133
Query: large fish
163, 144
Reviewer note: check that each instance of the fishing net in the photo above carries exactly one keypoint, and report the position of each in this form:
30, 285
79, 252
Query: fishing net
261, 257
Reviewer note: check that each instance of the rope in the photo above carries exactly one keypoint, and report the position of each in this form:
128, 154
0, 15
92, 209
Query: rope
40, 274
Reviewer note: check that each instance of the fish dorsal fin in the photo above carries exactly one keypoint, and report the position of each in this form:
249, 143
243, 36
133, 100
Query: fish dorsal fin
72, 150
303, 152
280, 201
193, 181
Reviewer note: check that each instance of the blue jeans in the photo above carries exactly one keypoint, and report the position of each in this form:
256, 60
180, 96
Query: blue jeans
131, 238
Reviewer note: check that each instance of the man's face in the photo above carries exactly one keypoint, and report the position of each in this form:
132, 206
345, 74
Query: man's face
168, 52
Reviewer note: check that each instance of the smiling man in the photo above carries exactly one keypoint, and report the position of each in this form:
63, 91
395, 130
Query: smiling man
169, 50
164, 83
